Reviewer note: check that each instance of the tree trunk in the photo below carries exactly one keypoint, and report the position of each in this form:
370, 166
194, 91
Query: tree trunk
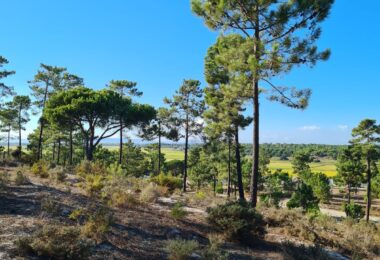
9, 140
19, 133
121, 142
256, 116
39, 155
186, 150
238, 165
59, 151
368, 188
159, 149
71, 147
53, 151
229, 168
214, 186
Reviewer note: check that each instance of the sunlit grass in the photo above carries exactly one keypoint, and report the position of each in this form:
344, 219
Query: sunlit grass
326, 166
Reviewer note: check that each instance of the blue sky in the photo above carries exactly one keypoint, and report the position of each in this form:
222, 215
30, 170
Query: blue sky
159, 43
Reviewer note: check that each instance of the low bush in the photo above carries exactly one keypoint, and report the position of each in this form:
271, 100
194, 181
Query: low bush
168, 181
4, 179
21, 179
363, 240
77, 215
122, 199
178, 212
90, 168
236, 220
41, 169
353, 210
94, 184
50, 206
152, 192
213, 251
303, 197
200, 195
98, 224
55, 242
58, 174
179, 249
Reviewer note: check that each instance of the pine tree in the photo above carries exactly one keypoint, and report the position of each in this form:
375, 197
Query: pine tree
4, 89
47, 81
22, 105
162, 126
124, 88
278, 35
186, 107
366, 137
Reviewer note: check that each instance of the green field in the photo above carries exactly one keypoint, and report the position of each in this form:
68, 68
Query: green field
326, 166
171, 154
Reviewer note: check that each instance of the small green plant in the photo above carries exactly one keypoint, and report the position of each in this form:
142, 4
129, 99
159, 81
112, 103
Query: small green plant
200, 195
152, 192
122, 199
41, 169
55, 242
4, 179
353, 210
76, 214
178, 212
98, 224
94, 184
236, 220
168, 181
219, 188
180, 249
21, 179
50, 206
58, 174
303, 197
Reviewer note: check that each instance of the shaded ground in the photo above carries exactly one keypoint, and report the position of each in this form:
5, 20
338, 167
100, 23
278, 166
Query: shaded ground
138, 233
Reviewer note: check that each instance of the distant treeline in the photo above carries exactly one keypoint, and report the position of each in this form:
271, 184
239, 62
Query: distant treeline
287, 150
283, 151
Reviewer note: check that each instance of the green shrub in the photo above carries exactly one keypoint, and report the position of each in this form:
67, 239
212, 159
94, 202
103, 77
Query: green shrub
353, 210
213, 251
303, 197
21, 179
168, 181
41, 169
200, 195
122, 199
236, 220
76, 214
152, 192
177, 212
98, 224
4, 179
179, 249
58, 174
55, 242
94, 184
219, 188
50, 206
90, 168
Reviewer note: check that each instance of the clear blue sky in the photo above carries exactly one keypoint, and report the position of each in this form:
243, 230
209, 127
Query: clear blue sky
159, 43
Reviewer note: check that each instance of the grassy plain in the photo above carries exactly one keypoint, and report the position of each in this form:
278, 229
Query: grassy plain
326, 166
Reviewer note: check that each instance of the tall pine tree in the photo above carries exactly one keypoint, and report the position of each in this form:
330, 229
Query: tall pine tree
278, 36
